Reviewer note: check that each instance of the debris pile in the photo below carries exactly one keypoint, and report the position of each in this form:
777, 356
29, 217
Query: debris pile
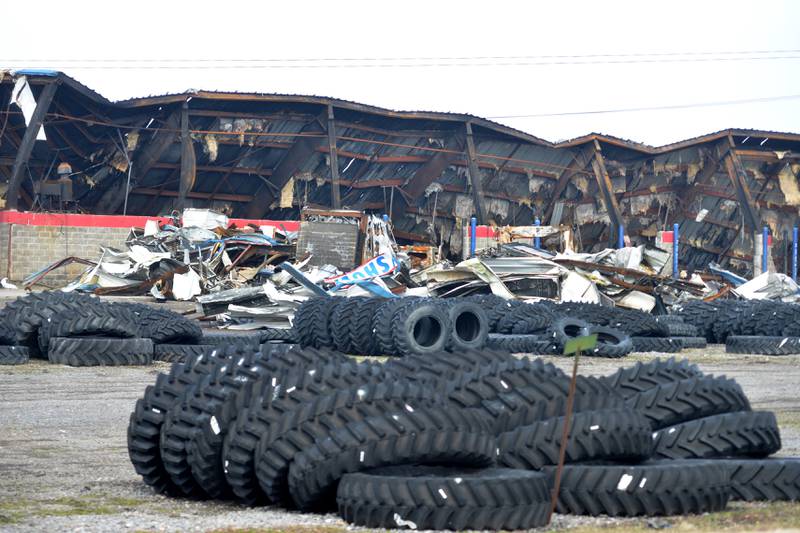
415, 442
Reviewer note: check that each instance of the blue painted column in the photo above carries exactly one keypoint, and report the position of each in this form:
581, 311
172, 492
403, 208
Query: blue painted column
764, 249
537, 241
794, 253
473, 236
621, 236
386, 218
675, 232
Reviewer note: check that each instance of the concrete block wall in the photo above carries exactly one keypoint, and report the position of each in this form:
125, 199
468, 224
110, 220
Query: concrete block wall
35, 247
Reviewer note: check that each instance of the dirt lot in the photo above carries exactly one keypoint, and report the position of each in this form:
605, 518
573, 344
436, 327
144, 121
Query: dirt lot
64, 463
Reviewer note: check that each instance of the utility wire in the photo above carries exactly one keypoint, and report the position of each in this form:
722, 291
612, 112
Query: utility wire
223, 65
655, 108
422, 58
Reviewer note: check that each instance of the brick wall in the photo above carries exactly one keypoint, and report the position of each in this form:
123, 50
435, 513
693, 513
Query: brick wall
35, 247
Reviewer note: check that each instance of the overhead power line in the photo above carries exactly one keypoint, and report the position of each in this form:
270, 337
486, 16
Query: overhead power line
405, 63
418, 58
655, 108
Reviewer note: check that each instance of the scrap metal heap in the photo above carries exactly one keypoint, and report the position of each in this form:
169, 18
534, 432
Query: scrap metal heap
266, 155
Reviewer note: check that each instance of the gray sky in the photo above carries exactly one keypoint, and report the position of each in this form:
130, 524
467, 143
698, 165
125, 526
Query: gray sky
201, 31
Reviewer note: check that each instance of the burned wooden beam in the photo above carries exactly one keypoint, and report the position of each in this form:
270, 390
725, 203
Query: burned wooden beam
738, 177
303, 149
333, 160
606, 189
146, 191
26, 145
475, 177
113, 198
188, 160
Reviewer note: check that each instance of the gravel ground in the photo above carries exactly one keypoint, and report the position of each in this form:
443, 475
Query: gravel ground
64, 463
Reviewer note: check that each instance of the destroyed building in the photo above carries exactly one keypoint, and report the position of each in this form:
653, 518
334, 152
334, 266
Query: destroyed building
266, 156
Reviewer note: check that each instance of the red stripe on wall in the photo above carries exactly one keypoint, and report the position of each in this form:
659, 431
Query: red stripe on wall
114, 221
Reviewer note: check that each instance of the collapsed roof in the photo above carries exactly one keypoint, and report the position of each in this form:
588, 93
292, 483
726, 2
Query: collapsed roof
268, 155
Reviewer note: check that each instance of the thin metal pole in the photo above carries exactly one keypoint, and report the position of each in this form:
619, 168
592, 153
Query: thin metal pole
764, 248
127, 188
794, 253
621, 236
473, 232
562, 450
537, 241
675, 236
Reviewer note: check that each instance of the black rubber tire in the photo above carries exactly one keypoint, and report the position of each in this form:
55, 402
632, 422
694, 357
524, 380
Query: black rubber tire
144, 427
439, 498
287, 335
689, 399
179, 353
323, 324
441, 368
611, 343
7, 336
269, 404
229, 338
534, 325
689, 343
680, 329
300, 429
420, 328
762, 345
25, 315
342, 320
444, 436
469, 326
656, 344
643, 376
662, 488
565, 329
766, 480
520, 393
88, 320
531, 344
362, 339
383, 325
98, 351
242, 364
607, 435
745, 433
164, 326
497, 311
14, 355
206, 445
670, 319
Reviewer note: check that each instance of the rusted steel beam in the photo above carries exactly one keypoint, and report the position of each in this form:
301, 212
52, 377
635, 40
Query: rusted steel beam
146, 191
219, 169
579, 163
333, 160
475, 177
764, 155
738, 177
606, 188
26, 145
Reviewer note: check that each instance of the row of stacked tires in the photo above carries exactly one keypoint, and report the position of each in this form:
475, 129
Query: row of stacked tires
407, 326
451, 440
746, 326
80, 330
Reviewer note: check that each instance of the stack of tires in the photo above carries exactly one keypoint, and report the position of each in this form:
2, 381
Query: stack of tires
80, 330
746, 326
449, 440
394, 327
